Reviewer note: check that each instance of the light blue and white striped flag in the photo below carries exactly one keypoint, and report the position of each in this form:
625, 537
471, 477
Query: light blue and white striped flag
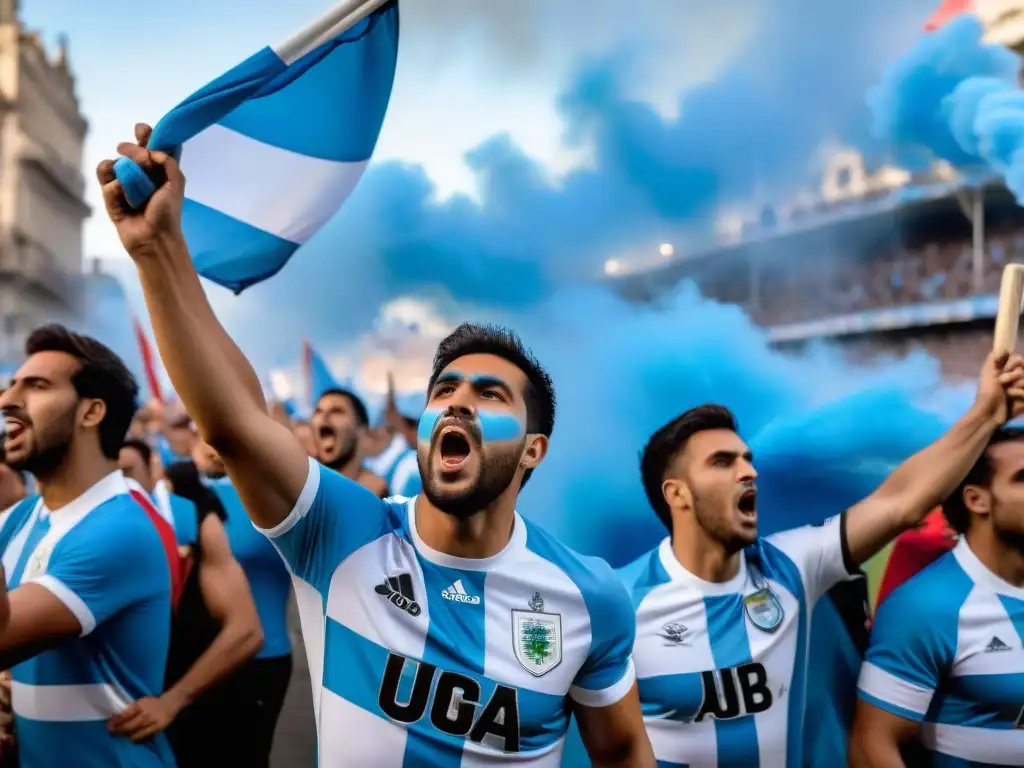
274, 147
281, 391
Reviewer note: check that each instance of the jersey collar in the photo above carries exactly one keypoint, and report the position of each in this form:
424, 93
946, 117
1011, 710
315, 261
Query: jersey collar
515, 543
980, 574
679, 574
101, 492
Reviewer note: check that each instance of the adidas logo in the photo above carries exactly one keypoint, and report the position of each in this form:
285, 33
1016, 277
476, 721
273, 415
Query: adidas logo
995, 644
398, 591
457, 594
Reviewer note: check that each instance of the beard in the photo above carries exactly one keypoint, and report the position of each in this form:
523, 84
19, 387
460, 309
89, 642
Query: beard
345, 451
50, 449
1011, 537
496, 474
715, 526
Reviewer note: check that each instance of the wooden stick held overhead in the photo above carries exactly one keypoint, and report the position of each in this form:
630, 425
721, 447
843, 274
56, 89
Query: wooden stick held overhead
1008, 318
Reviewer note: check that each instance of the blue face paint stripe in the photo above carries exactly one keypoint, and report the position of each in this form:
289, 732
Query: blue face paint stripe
494, 426
427, 422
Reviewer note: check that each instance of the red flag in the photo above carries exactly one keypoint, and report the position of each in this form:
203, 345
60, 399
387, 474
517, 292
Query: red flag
946, 12
915, 550
170, 542
147, 360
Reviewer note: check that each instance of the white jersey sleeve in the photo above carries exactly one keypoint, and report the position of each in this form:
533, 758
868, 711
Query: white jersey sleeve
820, 554
332, 518
911, 645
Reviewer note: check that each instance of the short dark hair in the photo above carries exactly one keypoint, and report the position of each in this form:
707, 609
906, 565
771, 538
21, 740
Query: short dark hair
539, 392
362, 415
101, 375
141, 448
668, 442
954, 508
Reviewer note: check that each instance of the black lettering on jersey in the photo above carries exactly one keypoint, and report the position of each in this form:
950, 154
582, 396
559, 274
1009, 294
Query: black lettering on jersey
387, 698
734, 692
500, 718
454, 704
455, 700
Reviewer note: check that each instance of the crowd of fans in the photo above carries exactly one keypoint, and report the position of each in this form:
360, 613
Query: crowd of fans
841, 284
778, 287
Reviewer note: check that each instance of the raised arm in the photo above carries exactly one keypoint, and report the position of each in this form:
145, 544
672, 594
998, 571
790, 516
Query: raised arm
215, 382
924, 480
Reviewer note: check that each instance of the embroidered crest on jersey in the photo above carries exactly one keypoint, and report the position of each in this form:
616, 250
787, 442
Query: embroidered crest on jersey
674, 634
537, 637
39, 560
764, 609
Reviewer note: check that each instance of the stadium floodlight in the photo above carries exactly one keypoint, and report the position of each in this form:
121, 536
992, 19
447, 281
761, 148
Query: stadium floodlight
666, 250
612, 267
1004, 339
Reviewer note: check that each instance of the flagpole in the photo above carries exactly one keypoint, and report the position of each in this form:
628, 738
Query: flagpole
339, 19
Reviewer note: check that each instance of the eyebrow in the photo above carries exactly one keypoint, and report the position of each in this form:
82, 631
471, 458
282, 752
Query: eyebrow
748, 455
12, 381
449, 378
479, 381
484, 381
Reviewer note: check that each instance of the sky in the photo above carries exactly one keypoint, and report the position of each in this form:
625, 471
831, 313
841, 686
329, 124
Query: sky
467, 70
525, 143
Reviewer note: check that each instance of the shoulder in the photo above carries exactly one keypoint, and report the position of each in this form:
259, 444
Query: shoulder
15, 516
643, 575
937, 591
119, 525
602, 590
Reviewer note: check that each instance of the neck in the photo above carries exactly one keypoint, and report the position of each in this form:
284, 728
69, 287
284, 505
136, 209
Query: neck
703, 556
476, 537
1003, 559
75, 475
352, 469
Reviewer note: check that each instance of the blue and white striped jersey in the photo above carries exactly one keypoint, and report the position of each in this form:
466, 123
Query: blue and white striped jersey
721, 667
103, 558
398, 466
947, 651
384, 462
420, 658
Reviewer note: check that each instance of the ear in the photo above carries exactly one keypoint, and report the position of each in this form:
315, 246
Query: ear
676, 493
535, 451
978, 500
91, 413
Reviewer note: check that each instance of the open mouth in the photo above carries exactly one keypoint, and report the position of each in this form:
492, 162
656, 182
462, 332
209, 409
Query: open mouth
325, 432
13, 427
748, 502
454, 449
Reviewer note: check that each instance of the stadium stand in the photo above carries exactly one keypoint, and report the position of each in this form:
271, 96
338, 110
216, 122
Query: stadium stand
879, 264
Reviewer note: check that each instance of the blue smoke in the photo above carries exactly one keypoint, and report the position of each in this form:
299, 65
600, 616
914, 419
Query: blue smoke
824, 434
957, 97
